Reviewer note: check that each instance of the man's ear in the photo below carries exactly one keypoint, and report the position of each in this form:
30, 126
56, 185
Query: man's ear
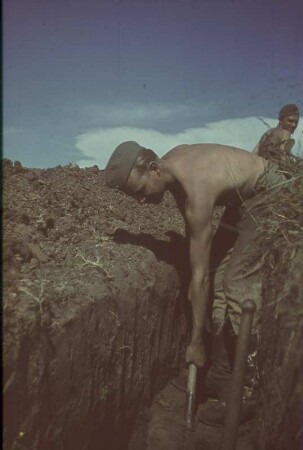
154, 166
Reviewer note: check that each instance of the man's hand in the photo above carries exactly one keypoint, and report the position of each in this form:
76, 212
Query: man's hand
195, 354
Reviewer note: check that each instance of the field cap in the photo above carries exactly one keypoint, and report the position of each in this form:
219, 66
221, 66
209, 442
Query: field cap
288, 110
121, 163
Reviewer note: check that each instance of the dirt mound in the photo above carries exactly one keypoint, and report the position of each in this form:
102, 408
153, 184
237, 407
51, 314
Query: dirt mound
94, 312
96, 317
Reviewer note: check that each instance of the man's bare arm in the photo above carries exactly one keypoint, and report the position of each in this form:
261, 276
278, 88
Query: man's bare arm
200, 225
260, 143
278, 137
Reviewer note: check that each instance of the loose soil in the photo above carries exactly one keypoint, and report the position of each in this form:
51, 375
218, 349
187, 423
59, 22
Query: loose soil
94, 311
96, 321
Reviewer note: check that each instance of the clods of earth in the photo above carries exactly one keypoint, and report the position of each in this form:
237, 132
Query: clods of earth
96, 316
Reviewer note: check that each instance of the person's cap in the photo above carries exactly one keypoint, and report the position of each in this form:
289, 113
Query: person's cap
288, 110
121, 163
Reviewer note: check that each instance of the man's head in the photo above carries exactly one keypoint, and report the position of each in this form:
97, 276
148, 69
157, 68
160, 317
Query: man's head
289, 117
135, 170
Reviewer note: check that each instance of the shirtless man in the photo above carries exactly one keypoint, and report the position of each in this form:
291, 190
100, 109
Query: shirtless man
201, 176
276, 143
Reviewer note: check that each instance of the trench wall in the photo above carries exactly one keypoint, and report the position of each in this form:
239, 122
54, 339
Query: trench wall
94, 322
280, 409
81, 382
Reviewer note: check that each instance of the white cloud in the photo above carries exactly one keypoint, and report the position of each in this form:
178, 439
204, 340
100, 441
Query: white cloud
128, 114
97, 145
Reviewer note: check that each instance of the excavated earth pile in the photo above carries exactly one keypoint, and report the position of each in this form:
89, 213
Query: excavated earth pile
94, 311
96, 322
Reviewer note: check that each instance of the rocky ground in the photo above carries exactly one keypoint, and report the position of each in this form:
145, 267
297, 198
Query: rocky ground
96, 318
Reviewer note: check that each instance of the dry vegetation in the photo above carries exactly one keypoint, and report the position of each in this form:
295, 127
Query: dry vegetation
281, 227
283, 222
280, 355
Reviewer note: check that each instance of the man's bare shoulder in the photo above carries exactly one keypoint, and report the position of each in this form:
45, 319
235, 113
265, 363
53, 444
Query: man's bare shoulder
176, 151
188, 159
201, 150
277, 133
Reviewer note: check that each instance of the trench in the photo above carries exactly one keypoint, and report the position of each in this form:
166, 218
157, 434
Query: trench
96, 324
82, 394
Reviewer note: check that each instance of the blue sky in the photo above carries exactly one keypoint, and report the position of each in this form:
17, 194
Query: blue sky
80, 77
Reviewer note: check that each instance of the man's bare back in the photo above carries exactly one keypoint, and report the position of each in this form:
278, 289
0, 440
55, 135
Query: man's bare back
222, 174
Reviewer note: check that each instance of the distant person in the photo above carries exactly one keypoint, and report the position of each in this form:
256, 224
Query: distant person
276, 143
201, 176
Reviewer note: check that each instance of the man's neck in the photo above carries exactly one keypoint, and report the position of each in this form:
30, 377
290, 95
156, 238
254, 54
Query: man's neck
179, 195
167, 174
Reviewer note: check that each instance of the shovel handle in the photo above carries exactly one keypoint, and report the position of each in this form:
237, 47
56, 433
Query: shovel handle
190, 395
231, 425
